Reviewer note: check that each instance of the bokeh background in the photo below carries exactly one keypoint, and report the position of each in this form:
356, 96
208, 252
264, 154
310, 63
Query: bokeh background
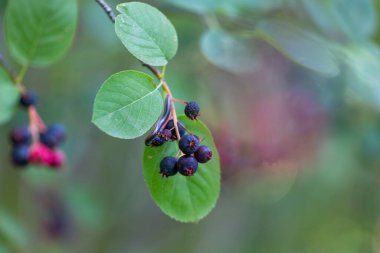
300, 150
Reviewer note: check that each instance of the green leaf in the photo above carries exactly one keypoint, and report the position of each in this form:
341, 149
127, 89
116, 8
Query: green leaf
146, 33
227, 51
303, 47
355, 19
12, 230
127, 105
8, 97
39, 32
186, 199
364, 75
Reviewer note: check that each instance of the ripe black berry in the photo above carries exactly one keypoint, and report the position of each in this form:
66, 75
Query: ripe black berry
168, 166
53, 136
192, 110
21, 135
188, 144
187, 165
28, 98
157, 141
166, 134
181, 128
20, 155
203, 154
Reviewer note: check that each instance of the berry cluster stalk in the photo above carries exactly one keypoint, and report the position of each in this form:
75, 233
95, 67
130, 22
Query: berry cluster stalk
35, 121
160, 75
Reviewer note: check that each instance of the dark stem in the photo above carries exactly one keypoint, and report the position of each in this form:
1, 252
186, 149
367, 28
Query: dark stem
107, 9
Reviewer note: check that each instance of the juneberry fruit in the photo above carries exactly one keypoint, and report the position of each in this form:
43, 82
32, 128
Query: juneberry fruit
168, 166
187, 165
40, 154
157, 141
28, 98
181, 128
203, 154
57, 159
192, 110
53, 136
59, 131
20, 155
166, 134
21, 135
188, 144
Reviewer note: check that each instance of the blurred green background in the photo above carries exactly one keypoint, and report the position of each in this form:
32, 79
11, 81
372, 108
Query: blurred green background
300, 149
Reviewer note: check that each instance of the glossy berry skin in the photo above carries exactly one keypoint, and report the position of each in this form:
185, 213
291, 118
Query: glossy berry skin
187, 165
21, 135
181, 128
157, 141
203, 154
29, 98
192, 110
188, 144
20, 155
166, 134
168, 166
53, 136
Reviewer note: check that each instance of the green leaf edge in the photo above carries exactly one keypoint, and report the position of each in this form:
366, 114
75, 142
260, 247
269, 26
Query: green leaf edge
93, 106
118, 7
29, 62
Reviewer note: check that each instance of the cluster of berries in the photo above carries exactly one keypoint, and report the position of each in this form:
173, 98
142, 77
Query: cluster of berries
39, 148
189, 144
187, 164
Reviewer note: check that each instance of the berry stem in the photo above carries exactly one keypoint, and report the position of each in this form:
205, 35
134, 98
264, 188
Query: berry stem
180, 101
11, 74
160, 75
36, 124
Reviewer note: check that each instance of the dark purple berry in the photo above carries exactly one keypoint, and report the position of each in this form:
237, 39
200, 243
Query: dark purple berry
21, 135
188, 144
53, 136
166, 134
157, 141
187, 165
168, 166
203, 154
20, 155
192, 110
28, 98
181, 128
59, 131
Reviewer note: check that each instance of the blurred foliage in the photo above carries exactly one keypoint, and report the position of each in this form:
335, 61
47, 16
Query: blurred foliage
298, 133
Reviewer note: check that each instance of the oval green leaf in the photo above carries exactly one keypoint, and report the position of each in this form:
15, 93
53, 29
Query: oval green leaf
8, 97
363, 77
186, 199
39, 32
303, 47
355, 19
127, 105
227, 51
146, 33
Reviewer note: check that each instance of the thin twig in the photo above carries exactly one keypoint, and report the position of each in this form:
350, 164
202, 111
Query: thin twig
107, 9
